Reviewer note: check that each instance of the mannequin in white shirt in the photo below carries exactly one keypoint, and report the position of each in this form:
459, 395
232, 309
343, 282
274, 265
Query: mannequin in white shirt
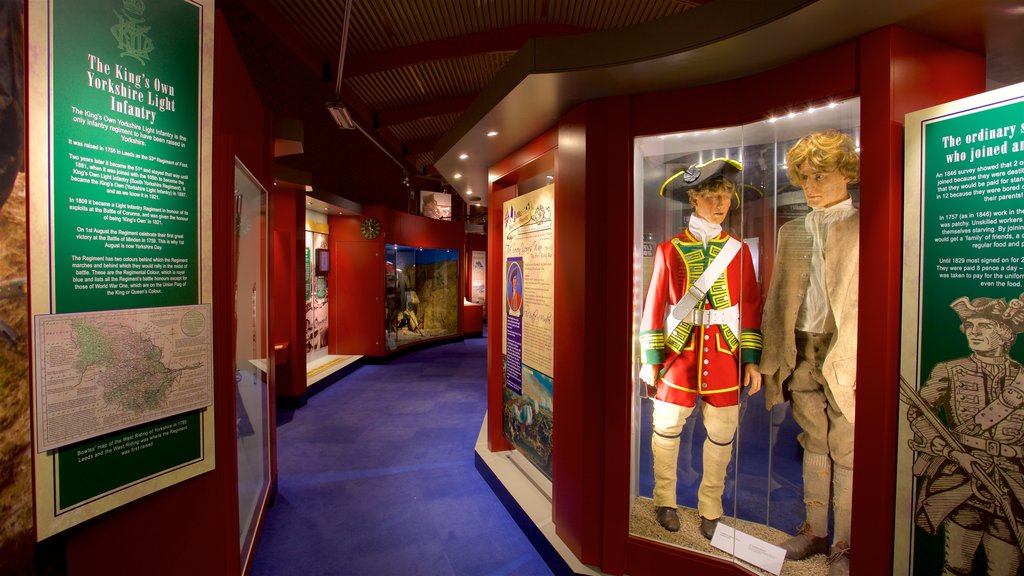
810, 334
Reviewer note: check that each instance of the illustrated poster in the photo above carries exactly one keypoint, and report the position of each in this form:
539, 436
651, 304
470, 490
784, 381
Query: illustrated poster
961, 443
528, 335
316, 295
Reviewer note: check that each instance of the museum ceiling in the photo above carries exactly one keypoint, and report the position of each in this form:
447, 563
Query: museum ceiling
412, 67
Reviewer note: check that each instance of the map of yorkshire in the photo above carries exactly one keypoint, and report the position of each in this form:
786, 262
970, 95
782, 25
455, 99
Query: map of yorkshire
133, 375
103, 371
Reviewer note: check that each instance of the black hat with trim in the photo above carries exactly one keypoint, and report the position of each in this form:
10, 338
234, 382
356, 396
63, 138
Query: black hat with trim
678, 185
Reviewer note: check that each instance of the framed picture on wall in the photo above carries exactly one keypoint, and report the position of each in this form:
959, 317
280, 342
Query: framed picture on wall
323, 261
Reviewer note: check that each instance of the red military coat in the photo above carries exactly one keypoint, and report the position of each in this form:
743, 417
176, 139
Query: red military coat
698, 360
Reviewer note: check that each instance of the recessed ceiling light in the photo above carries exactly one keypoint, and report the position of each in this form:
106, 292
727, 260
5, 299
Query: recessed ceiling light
463, 156
457, 176
492, 133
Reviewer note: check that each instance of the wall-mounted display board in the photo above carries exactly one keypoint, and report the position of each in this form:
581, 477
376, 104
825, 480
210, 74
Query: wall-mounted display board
478, 277
960, 488
120, 95
528, 339
316, 285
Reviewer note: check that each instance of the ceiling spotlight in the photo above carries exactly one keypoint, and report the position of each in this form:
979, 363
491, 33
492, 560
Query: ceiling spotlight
457, 175
492, 133
463, 156
341, 116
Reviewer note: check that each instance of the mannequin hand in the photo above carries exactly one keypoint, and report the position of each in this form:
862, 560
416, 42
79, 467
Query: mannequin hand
649, 374
752, 378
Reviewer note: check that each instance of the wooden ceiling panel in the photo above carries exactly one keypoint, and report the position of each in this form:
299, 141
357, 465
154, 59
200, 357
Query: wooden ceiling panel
436, 80
414, 66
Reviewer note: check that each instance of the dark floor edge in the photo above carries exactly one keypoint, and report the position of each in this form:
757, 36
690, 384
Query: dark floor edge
551, 557
412, 347
296, 402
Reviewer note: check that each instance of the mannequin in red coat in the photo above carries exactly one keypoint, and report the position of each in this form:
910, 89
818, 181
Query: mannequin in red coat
697, 352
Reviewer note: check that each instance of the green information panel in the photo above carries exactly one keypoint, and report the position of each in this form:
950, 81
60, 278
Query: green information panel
125, 176
307, 273
962, 382
973, 219
125, 89
95, 467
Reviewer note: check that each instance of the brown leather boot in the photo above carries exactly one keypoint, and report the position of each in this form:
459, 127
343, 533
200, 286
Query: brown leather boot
805, 544
707, 527
668, 518
839, 560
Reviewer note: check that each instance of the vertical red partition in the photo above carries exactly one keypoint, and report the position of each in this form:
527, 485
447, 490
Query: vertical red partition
899, 72
355, 289
496, 441
287, 316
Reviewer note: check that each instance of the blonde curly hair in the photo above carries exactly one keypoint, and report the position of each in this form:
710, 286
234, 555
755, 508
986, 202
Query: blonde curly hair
824, 151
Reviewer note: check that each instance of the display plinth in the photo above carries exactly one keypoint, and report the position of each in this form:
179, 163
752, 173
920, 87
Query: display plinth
526, 494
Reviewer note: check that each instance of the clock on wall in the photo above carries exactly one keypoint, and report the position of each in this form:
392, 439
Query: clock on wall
370, 228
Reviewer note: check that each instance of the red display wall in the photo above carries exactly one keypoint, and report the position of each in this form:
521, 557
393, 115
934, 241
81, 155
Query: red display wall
287, 314
355, 294
899, 72
893, 71
192, 527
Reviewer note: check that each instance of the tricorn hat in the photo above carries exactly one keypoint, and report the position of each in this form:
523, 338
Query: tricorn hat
996, 309
679, 184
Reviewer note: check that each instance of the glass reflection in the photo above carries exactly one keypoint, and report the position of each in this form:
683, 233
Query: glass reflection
747, 468
252, 400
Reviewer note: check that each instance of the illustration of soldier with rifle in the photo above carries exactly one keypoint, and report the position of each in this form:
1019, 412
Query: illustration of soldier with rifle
968, 424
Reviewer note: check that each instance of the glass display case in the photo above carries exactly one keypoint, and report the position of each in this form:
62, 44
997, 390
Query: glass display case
765, 460
421, 294
252, 392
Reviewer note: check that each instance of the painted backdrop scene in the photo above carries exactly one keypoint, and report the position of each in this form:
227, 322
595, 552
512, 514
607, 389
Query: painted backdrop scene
16, 528
422, 294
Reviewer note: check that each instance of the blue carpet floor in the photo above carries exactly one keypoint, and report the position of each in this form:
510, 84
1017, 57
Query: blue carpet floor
376, 477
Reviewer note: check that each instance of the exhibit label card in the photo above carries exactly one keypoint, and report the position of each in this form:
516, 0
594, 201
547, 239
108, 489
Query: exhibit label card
747, 548
963, 304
